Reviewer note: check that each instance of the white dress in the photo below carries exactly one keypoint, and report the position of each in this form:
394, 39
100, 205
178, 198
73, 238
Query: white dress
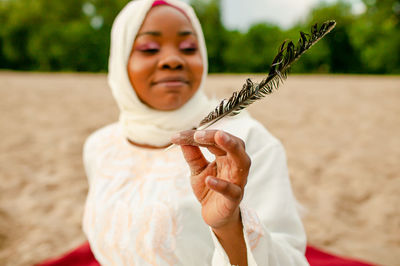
141, 210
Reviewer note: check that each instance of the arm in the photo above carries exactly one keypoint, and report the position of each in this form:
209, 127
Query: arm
232, 241
273, 233
219, 185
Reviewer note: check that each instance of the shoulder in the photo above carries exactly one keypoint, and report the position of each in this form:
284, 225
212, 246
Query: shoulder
96, 143
102, 136
98, 140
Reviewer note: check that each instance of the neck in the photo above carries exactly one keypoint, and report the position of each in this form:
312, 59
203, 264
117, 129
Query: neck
146, 146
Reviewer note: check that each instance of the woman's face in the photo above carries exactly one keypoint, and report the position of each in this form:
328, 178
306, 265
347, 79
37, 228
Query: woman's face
165, 66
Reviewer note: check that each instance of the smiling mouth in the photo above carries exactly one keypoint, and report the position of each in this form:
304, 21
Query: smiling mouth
172, 82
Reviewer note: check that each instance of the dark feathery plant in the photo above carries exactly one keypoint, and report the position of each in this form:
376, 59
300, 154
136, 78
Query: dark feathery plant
288, 54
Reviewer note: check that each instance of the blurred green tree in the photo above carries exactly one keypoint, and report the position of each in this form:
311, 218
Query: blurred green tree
252, 51
215, 34
56, 35
75, 35
335, 53
377, 36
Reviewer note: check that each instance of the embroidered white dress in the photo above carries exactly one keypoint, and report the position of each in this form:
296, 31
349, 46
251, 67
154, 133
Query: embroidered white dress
140, 208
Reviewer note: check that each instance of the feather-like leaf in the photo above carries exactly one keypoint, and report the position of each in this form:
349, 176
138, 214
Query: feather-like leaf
288, 53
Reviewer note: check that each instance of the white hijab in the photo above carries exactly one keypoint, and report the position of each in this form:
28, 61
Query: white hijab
141, 123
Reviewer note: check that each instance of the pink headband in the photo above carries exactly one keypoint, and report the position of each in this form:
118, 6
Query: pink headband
161, 2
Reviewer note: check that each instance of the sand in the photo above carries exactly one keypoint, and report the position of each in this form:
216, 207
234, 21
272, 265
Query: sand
341, 134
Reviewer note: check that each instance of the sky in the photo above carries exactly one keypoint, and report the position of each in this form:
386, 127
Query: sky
240, 14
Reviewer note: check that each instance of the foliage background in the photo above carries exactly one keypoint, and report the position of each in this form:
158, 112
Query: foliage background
73, 35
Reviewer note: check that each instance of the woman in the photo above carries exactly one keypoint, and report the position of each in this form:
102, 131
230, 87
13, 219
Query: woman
148, 206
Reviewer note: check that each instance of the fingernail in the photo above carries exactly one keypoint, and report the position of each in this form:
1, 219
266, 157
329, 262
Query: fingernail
225, 138
199, 135
212, 181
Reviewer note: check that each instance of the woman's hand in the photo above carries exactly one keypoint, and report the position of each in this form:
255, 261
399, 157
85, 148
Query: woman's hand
218, 185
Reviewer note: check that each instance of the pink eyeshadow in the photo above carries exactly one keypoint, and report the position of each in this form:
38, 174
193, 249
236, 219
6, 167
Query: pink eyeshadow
148, 46
187, 44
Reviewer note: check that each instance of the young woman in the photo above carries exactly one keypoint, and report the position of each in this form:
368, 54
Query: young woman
226, 201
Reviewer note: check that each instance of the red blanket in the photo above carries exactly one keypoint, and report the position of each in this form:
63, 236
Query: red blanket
317, 257
83, 256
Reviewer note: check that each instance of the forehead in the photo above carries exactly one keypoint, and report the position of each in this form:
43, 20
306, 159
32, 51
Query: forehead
160, 16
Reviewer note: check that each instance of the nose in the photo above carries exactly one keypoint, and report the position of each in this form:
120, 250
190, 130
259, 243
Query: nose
171, 60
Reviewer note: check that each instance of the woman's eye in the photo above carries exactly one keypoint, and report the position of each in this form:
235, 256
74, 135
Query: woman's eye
189, 50
150, 51
149, 48
188, 47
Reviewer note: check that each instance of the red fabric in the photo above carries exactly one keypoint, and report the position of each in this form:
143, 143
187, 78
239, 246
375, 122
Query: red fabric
83, 256
317, 257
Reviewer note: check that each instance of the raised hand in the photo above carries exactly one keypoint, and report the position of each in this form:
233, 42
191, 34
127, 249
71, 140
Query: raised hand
218, 185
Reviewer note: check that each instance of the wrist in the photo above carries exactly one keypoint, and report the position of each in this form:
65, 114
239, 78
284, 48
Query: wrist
231, 238
231, 225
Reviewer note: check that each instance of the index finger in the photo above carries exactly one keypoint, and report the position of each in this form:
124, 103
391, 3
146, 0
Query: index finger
223, 141
233, 146
188, 137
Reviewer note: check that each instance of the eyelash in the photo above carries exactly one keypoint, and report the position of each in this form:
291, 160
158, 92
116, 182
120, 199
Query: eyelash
149, 51
189, 50
185, 50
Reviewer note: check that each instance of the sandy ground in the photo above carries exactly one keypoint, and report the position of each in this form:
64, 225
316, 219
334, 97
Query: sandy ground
341, 134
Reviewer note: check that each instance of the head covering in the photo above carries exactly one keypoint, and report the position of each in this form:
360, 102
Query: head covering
141, 123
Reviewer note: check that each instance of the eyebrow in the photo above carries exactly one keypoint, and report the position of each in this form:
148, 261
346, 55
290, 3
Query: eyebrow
153, 33
185, 33
157, 33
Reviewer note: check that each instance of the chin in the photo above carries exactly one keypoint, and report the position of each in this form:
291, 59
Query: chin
168, 106
172, 103
171, 107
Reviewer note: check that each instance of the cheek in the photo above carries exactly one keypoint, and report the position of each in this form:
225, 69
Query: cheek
197, 69
137, 64
139, 70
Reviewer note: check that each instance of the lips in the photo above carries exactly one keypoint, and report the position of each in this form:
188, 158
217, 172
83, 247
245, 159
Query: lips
173, 81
